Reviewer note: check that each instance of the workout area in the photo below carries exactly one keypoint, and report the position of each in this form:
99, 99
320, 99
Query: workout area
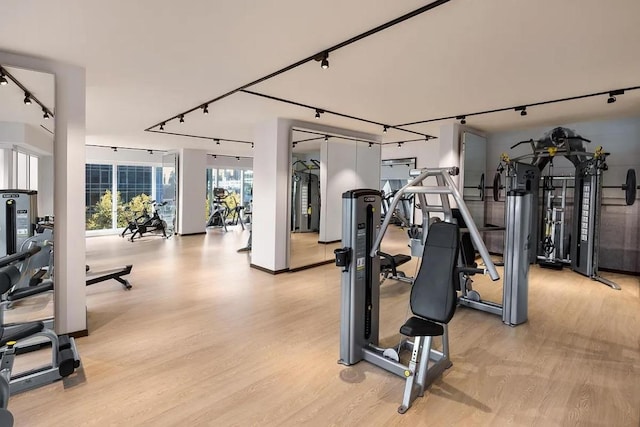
326, 214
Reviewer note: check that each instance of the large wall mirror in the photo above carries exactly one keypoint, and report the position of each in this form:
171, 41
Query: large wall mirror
323, 166
473, 162
394, 174
27, 100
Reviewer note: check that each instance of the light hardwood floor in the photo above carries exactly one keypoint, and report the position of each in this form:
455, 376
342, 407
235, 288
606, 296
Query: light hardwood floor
202, 339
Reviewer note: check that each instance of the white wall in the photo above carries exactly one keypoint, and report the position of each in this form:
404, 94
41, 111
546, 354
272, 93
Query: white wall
69, 156
192, 191
345, 165
45, 185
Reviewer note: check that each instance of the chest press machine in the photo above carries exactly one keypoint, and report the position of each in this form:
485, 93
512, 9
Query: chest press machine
434, 291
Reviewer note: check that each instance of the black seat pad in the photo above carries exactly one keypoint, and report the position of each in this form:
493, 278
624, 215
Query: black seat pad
18, 332
417, 327
31, 290
398, 260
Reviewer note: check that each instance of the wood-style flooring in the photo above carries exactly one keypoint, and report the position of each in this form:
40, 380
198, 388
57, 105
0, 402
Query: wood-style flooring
203, 339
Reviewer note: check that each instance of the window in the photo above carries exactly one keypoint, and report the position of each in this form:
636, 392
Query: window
116, 192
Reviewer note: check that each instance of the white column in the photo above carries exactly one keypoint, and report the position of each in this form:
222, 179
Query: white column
192, 166
270, 219
69, 188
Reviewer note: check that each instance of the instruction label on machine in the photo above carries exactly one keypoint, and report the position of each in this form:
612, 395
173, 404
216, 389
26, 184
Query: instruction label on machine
22, 223
584, 218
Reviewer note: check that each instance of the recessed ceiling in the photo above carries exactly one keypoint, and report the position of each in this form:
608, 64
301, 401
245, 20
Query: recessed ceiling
149, 60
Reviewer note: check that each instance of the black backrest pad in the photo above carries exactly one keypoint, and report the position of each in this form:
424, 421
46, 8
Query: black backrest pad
433, 295
468, 251
9, 276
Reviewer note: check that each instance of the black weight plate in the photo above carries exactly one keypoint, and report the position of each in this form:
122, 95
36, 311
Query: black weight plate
630, 190
496, 187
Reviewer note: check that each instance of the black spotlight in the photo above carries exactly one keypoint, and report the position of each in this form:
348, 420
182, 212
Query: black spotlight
181, 118
399, 144
522, 109
217, 141
205, 109
3, 79
463, 119
45, 115
27, 98
385, 128
523, 112
612, 95
162, 126
611, 99
370, 144
325, 61
317, 114
326, 138
252, 145
238, 158
150, 151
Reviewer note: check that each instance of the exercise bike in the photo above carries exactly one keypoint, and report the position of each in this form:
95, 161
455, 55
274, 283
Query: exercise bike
149, 224
219, 209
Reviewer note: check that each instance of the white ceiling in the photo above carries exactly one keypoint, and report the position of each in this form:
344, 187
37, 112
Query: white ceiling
151, 59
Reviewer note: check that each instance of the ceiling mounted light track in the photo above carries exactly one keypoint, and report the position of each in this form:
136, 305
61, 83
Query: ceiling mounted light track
521, 108
29, 98
324, 54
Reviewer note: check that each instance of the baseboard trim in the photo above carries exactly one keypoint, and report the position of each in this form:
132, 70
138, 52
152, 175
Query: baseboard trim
190, 234
79, 334
328, 242
306, 267
266, 270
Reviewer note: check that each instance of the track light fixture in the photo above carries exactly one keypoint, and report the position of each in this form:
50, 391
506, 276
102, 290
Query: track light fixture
162, 125
217, 141
370, 144
385, 128
323, 59
463, 119
238, 158
150, 151
3, 79
326, 138
612, 95
318, 112
45, 114
399, 144
294, 144
27, 98
522, 109
252, 145
181, 118
205, 109
115, 149
215, 157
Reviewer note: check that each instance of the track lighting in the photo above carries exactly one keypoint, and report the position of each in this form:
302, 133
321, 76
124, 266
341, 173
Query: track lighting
324, 64
3, 79
385, 128
612, 95
318, 112
27, 98
45, 115
370, 144
205, 109
399, 144
294, 144
522, 109
115, 149
463, 119
181, 118
326, 138
150, 151
238, 158
162, 125
215, 157
252, 145
217, 141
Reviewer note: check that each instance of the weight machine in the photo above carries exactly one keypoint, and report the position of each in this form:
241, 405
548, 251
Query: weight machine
433, 296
